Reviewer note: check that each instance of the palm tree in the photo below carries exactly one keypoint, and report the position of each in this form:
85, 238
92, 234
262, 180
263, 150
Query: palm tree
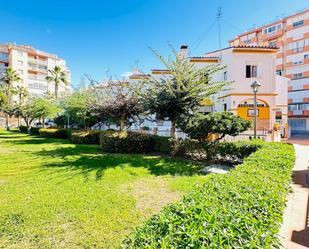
21, 92
57, 76
8, 78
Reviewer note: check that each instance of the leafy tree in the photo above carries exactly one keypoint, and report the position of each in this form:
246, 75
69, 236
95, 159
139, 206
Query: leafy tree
8, 78
77, 109
179, 94
200, 126
3, 100
57, 76
22, 93
37, 108
119, 106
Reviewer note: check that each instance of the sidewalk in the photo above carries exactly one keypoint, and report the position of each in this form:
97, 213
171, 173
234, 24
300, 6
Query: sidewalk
295, 229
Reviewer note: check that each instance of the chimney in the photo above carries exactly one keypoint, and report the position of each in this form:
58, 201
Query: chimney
183, 51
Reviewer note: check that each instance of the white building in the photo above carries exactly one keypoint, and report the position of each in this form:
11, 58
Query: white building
32, 66
243, 66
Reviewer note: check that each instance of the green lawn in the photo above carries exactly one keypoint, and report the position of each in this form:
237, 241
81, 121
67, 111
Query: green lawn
54, 194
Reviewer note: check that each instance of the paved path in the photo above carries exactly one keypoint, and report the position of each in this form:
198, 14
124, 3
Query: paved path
295, 229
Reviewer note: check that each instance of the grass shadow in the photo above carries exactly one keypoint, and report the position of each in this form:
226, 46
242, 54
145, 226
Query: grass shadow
83, 159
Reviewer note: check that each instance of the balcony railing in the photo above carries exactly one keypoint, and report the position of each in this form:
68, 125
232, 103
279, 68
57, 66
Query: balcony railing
37, 61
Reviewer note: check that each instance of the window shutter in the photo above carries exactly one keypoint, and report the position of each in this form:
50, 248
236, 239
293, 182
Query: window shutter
248, 71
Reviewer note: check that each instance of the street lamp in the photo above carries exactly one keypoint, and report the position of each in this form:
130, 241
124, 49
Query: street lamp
255, 88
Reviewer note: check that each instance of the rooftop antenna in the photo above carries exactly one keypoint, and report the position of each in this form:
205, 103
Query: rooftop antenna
219, 17
137, 64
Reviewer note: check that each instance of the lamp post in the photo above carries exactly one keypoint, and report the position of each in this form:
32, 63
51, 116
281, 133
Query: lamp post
255, 88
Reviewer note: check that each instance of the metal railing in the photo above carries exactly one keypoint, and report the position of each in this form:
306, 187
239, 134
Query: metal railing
300, 133
163, 133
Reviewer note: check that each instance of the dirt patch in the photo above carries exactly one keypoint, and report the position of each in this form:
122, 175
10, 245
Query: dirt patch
152, 194
5, 151
3, 182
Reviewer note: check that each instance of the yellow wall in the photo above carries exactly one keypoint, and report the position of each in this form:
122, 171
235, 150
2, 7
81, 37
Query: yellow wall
263, 112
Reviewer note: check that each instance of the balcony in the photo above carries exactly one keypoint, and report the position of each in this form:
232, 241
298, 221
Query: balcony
33, 77
37, 61
4, 57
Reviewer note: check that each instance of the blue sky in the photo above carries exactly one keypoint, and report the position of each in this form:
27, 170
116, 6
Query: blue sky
111, 37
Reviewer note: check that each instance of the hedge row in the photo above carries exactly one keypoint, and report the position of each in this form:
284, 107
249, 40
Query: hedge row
55, 133
132, 142
242, 209
33, 130
86, 137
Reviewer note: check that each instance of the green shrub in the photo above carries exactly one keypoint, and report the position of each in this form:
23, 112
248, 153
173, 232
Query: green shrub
241, 209
55, 133
86, 137
217, 151
161, 144
23, 129
35, 131
232, 151
126, 142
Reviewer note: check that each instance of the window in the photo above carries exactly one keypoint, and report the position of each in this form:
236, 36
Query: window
279, 26
279, 72
20, 63
251, 71
271, 29
37, 86
300, 107
306, 56
225, 75
42, 67
298, 46
273, 44
298, 62
225, 107
20, 53
297, 75
4, 56
160, 123
246, 42
297, 24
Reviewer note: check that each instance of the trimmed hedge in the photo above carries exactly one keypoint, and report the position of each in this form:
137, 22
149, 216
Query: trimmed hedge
23, 129
233, 151
134, 142
162, 144
35, 131
242, 209
126, 142
86, 137
55, 133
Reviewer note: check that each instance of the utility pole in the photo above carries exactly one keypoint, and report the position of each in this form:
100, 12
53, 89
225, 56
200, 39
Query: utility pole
219, 16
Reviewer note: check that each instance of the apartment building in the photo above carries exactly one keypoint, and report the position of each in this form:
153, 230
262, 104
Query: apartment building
32, 65
243, 65
291, 36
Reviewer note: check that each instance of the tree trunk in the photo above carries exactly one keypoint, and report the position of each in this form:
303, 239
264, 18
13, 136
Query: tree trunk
7, 122
18, 121
7, 117
173, 130
43, 122
122, 122
56, 90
